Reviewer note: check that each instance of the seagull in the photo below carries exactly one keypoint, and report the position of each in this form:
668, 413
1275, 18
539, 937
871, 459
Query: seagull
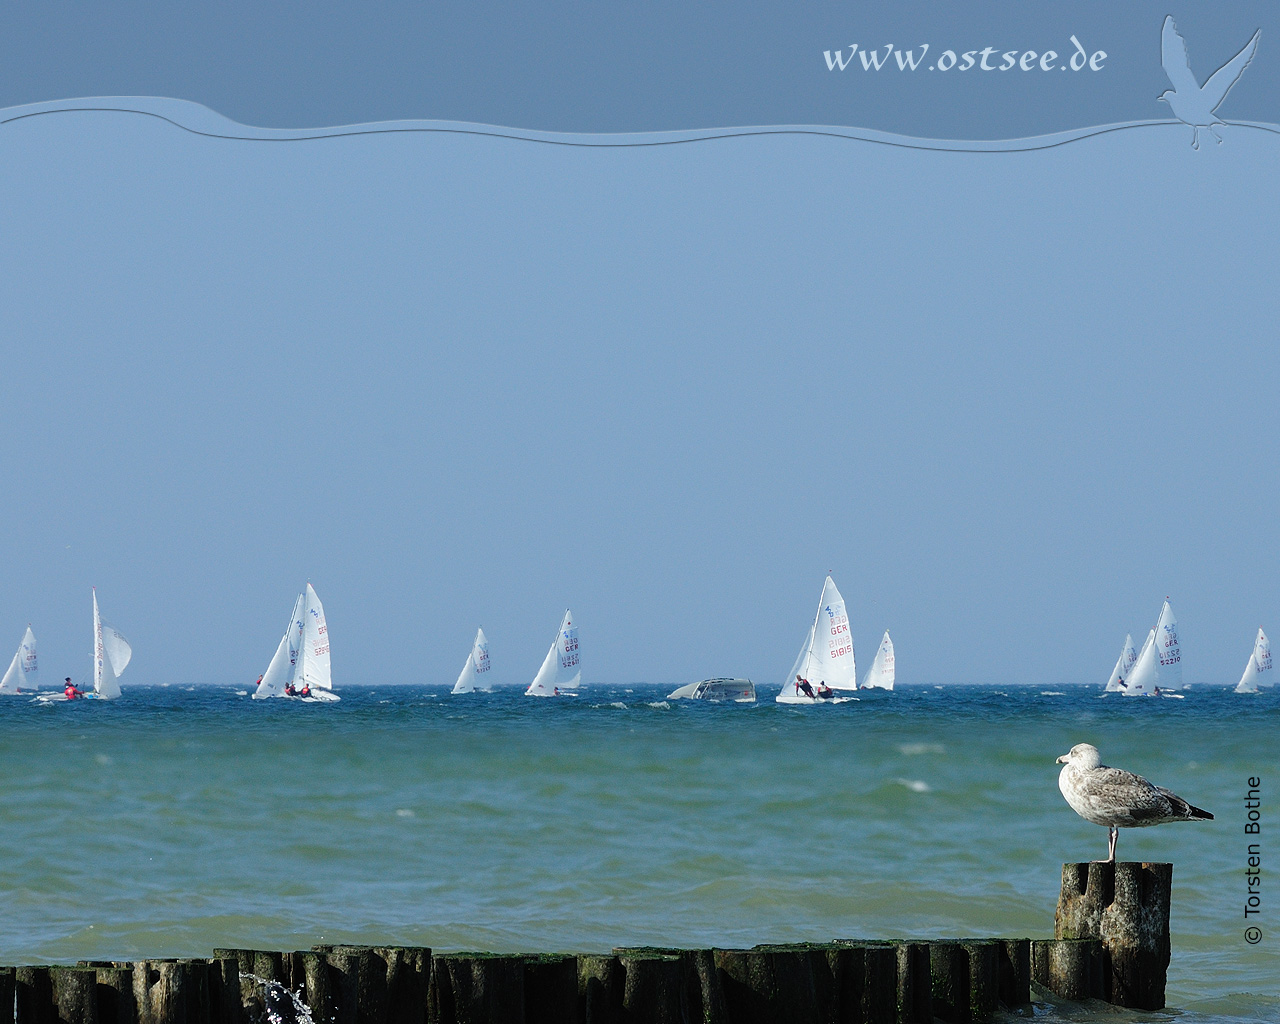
1117, 798
1191, 102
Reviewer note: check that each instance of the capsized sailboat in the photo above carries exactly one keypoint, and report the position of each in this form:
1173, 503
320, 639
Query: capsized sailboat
740, 691
880, 675
1128, 656
302, 657
826, 657
560, 668
474, 675
1259, 665
1159, 663
23, 672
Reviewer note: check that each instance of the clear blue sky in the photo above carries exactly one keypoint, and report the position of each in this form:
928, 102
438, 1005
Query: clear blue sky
1012, 401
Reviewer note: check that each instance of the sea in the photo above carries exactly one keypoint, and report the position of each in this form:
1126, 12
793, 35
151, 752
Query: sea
181, 818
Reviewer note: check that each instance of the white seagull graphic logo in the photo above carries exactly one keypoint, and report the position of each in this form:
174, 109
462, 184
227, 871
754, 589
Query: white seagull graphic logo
1191, 102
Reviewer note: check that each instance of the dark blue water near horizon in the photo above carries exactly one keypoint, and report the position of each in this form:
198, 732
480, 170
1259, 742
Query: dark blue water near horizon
177, 819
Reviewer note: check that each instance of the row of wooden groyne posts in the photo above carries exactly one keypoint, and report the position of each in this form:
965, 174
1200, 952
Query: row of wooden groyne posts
1122, 960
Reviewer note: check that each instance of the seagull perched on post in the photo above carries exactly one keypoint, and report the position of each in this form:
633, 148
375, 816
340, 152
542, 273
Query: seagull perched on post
1117, 798
1191, 102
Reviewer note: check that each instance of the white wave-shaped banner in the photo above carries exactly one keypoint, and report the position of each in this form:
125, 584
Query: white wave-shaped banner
201, 120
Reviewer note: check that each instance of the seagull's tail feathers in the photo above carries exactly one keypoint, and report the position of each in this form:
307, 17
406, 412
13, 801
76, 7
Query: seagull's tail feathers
1181, 810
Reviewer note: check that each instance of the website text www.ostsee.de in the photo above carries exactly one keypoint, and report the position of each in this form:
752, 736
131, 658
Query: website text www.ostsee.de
990, 58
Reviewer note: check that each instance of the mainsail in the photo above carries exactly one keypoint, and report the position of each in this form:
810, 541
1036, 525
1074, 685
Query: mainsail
560, 668
1259, 662
313, 670
473, 676
827, 653
1128, 655
880, 675
111, 653
23, 671
1159, 662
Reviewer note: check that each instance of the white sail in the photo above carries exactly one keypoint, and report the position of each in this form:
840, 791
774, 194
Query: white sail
1142, 676
283, 663
1128, 655
22, 674
827, 656
1259, 664
880, 675
111, 653
560, 668
473, 676
313, 670
1159, 662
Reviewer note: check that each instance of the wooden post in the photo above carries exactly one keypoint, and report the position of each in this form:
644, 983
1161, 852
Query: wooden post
116, 1004
7, 986
551, 989
75, 994
1070, 968
1126, 905
476, 988
33, 996
406, 975
1014, 971
600, 984
914, 1002
949, 973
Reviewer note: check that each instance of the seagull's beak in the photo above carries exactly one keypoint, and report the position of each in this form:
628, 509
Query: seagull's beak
1062, 759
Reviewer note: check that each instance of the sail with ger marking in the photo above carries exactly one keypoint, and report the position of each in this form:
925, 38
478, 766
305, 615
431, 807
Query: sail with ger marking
1128, 655
1159, 662
23, 671
827, 653
313, 670
881, 673
560, 669
474, 675
1258, 666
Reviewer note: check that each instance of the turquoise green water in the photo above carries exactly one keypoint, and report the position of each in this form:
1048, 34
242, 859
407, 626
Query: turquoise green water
175, 820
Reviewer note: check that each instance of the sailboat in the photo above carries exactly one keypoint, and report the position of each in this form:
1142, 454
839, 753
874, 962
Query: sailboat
880, 675
826, 656
1259, 662
302, 657
1159, 663
1128, 655
23, 672
473, 675
560, 668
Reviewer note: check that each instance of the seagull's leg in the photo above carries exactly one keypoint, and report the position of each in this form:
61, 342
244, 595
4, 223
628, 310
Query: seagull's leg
1215, 135
1113, 834
1195, 137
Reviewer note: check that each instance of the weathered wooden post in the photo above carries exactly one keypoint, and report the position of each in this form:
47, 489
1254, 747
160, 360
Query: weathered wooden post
476, 988
1070, 968
914, 983
33, 996
551, 989
75, 994
1126, 906
116, 1004
600, 984
653, 986
1014, 971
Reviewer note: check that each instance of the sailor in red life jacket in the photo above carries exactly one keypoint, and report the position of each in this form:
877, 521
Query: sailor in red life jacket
305, 691
289, 691
802, 686
70, 691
